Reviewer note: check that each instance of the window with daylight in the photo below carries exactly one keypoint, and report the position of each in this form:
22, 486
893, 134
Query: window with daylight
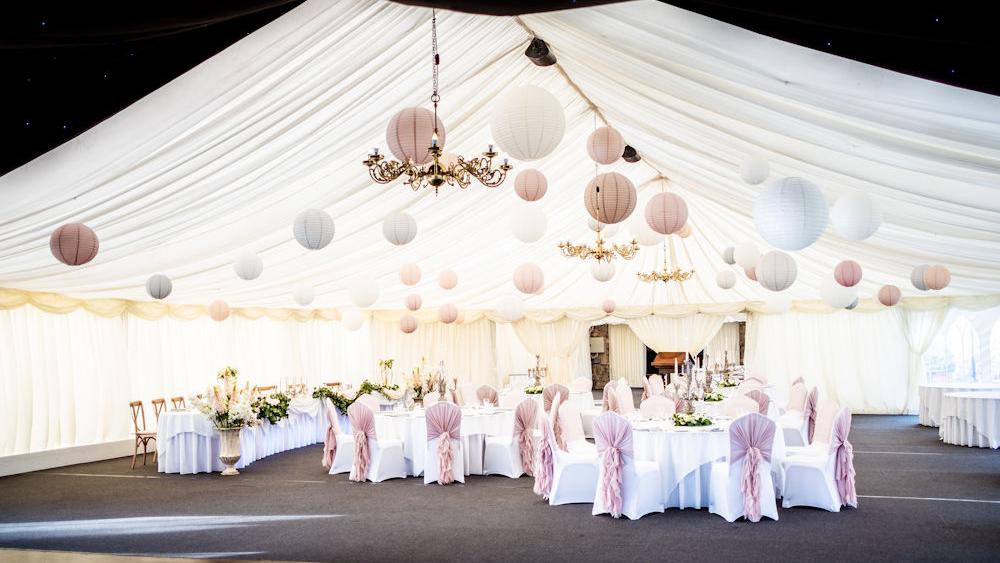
953, 354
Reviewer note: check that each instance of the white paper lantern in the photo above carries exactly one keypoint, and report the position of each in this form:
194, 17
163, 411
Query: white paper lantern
248, 266
917, 277
836, 295
776, 270
602, 271
447, 313
643, 233
790, 214
510, 308
856, 216
746, 255
778, 303
607, 231
528, 122
363, 292
447, 279
529, 278
313, 228
413, 302
159, 286
304, 295
605, 145
853, 304
725, 279
729, 255
352, 319
528, 223
399, 228
754, 169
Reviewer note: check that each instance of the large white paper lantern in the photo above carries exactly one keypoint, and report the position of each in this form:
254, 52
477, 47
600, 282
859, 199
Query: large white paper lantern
728, 255
836, 295
528, 122
643, 233
399, 228
529, 278
725, 279
605, 145
856, 216
602, 271
413, 302
746, 255
313, 228
363, 292
754, 169
352, 319
304, 295
607, 231
447, 313
778, 303
666, 213
159, 286
447, 279
510, 308
790, 214
248, 266
407, 324
409, 274
776, 270
917, 277
410, 132
610, 198
528, 223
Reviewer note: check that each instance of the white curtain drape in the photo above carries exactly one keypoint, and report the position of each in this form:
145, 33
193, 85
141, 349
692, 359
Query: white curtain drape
467, 349
726, 341
918, 329
669, 334
559, 343
626, 355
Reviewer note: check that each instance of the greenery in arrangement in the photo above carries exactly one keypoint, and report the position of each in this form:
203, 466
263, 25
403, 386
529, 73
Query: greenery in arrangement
681, 419
728, 383
342, 402
534, 390
227, 372
386, 364
272, 408
713, 397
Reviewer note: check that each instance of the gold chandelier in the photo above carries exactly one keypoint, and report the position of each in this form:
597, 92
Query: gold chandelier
599, 251
455, 171
666, 275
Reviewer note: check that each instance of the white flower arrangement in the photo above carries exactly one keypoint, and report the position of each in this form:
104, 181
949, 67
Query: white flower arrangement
228, 405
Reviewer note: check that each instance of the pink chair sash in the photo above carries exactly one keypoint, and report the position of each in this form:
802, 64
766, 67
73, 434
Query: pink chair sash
810, 411
444, 421
799, 379
556, 424
609, 390
845, 459
550, 391
751, 437
330, 441
763, 400
363, 427
613, 437
546, 463
489, 394
525, 421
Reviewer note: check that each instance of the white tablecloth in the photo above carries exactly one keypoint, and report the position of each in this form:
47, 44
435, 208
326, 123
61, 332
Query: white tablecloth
187, 442
971, 418
931, 395
582, 399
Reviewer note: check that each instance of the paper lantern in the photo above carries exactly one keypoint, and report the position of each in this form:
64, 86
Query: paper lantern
666, 213
610, 198
409, 274
605, 145
608, 306
218, 311
248, 266
754, 169
847, 273
447, 313
685, 231
510, 308
778, 303
447, 279
352, 320
725, 279
937, 277
746, 255
399, 228
528, 278
856, 216
607, 231
409, 135
159, 286
643, 233
836, 295
530, 184
917, 277
407, 324
304, 295
528, 223
413, 302
74, 244
528, 122
790, 214
889, 295
776, 270
751, 273
461, 317
728, 255
853, 304
313, 229
602, 271
363, 292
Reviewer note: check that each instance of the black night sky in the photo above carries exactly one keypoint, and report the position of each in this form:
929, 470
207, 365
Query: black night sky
67, 66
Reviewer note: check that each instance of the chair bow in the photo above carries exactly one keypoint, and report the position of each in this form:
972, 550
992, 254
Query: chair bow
546, 464
751, 438
613, 436
444, 422
363, 426
844, 464
524, 421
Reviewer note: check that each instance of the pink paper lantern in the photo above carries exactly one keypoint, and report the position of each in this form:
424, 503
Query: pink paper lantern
685, 231
461, 317
74, 244
751, 273
529, 279
608, 306
889, 295
447, 279
218, 310
610, 198
409, 135
407, 324
605, 145
413, 302
666, 213
530, 184
847, 273
448, 313
937, 277
409, 274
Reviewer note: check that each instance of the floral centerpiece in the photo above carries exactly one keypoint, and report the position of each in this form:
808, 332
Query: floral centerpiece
386, 366
342, 402
727, 383
272, 408
230, 408
534, 390
681, 419
712, 397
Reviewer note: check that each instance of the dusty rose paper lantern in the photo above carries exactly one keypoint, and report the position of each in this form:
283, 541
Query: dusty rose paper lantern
409, 135
751, 273
610, 198
608, 306
529, 279
407, 324
448, 279
605, 145
530, 185
889, 295
847, 273
74, 244
666, 213
413, 302
685, 231
409, 274
218, 310
448, 313
937, 277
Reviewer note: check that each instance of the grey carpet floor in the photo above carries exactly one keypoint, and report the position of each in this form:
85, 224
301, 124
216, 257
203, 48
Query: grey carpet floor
921, 500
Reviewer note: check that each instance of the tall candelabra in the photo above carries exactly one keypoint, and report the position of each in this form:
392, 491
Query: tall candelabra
539, 371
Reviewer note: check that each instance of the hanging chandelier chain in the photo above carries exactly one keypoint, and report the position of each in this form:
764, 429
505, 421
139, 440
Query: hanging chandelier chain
435, 60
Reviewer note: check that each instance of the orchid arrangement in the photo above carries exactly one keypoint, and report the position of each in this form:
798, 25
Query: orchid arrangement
228, 404
227, 372
386, 364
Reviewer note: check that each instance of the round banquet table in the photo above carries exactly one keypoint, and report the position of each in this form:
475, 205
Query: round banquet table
410, 427
971, 418
932, 395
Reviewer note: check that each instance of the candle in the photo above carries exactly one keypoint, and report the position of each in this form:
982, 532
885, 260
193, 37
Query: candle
675, 364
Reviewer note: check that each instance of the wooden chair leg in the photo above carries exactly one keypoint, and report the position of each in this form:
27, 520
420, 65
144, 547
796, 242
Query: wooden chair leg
144, 443
155, 451
135, 452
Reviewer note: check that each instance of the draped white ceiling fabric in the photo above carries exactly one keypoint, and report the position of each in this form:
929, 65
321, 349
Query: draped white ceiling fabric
220, 161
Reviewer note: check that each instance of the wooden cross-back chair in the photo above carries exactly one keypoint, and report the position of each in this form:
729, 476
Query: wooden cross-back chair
334, 384
159, 407
178, 403
267, 388
142, 436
